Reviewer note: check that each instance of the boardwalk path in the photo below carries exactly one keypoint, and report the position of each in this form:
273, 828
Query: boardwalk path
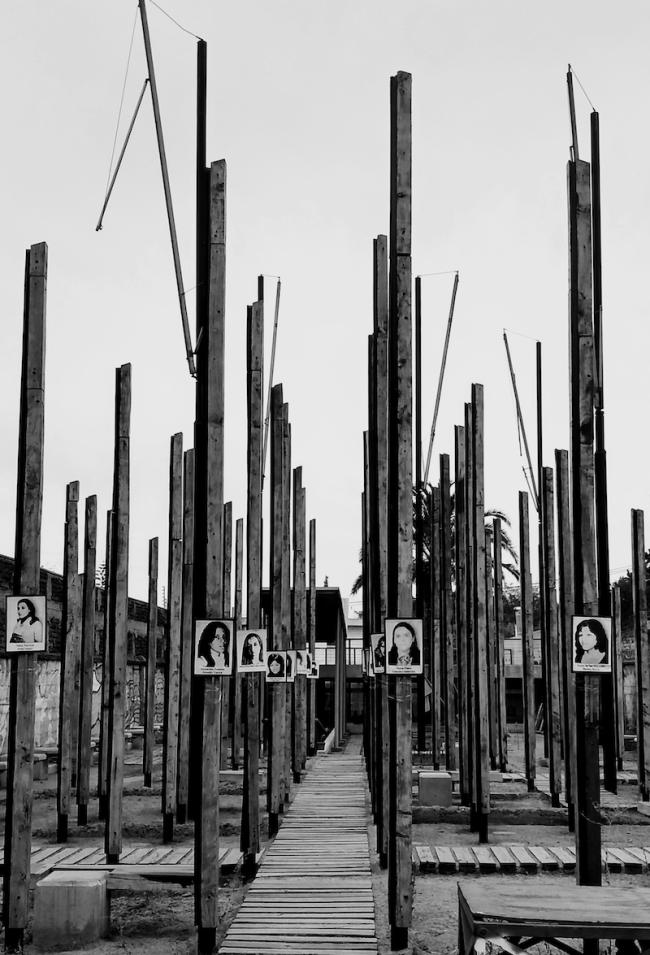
313, 892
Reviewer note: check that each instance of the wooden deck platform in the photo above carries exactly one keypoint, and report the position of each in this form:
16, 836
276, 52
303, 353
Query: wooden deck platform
449, 860
313, 891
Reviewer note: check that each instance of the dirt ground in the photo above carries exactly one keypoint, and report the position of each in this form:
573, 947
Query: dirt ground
148, 923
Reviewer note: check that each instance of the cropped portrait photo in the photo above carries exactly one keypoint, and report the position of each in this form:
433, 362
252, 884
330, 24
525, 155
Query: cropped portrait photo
251, 647
291, 666
592, 644
276, 666
301, 662
378, 648
26, 624
403, 646
213, 647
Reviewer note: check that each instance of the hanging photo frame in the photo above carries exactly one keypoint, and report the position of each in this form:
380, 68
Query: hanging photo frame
592, 644
213, 647
251, 647
403, 646
26, 619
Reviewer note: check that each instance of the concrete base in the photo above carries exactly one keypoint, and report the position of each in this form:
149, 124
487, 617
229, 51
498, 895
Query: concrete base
71, 910
435, 789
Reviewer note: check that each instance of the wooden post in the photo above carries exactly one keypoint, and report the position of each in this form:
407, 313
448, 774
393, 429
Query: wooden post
152, 638
419, 518
552, 642
104, 728
236, 679
400, 504
493, 736
173, 641
87, 654
119, 613
29, 497
567, 607
209, 560
68, 695
299, 618
436, 656
588, 839
460, 533
448, 639
470, 585
311, 609
226, 682
546, 682
250, 828
617, 663
527, 642
500, 655
480, 635
187, 640
286, 603
639, 600
275, 691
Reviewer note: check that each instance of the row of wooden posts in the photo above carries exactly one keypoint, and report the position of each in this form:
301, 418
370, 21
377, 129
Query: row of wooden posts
196, 708
464, 677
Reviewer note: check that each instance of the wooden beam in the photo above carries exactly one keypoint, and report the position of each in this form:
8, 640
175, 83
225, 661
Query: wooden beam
237, 613
470, 586
226, 682
187, 640
552, 641
640, 617
436, 656
104, 730
286, 603
460, 533
87, 656
299, 619
567, 608
152, 638
276, 691
493, 731
527, 642
617, 662
311, 611
500, 654
447, 621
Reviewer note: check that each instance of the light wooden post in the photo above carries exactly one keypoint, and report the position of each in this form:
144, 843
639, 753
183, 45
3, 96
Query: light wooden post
527, 642
173, 635
236, 680
460, 533
436, 657
68, 695
447, 615
300, 618
552, 642
275, 691
500, 660
470, 585
22, 690
119, 614
152, 638
567, 607
285, 785
400, 504
617, 663
311, 610
250, 828
640, 611
187, 640
419, 518
226, 682
493, 738
104, 729
87, 654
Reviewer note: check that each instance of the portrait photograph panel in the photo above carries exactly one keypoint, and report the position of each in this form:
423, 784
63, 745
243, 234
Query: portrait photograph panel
276, 666
403, 646
251, 647
301, 662
592, 644
213, 647
26, 624
378, 652
314, 671
291, 666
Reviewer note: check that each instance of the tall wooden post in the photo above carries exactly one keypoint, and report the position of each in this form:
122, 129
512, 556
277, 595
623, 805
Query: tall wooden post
546, 682
640, 609
300, 618
250, 829
187, 640
286, 600
311, 609
447, 615
276, 691
588, 857
419, 519
22, 690
460, 533
236, 680
119, 613
617, 664
173, 641
152, 639
552, 642
104, 728
226, 682
470, 585
498, 641
436, 630
493, 736
567, 607
527, 642
69, 696
400, 508
87, 653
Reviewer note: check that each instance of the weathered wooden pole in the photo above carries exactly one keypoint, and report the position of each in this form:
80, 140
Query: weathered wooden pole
275, 691
187, 641
27, 567
250, 828
237, 613
69, 695
152, 641
299, 619
226, 682
588, 839
436, 629
104, 730
119, 613
527, 642
400, 504
447, 639
311, 610
419, 515
546, 682
498, 641
286, 602
617, 664
173, 637
470, 585
87, 654
552, 641
493, 733
567, 608
460, 534
640, 616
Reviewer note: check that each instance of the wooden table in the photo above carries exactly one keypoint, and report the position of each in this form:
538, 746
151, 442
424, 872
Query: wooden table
516, 915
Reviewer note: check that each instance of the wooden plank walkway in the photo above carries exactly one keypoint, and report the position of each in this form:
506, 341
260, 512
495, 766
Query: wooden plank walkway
313, 892
449, 860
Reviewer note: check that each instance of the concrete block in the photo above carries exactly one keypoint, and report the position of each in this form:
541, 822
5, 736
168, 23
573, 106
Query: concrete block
71, 909
40, 766
435, 789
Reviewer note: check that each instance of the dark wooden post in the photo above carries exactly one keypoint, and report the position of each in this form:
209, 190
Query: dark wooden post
588, 839
470, 584
275, 691
567, 606
639, 601
69, 696
552, 642
460, 533
87, 654
288, 688
617, 664
236, 680
104, 729
119, 613
311, 609
447, 615
498, 641
419, 515
436, 629
250, 829
226, 682
493, 732
527, 642
299, 618
400, 506
173, 635
22, 690
187, 640
152, 640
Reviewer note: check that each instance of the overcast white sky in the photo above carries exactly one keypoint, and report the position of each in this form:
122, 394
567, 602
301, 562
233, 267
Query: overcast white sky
299, 107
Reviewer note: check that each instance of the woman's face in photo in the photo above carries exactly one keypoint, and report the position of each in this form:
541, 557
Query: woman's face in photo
402, 638
218, 643
22, 610
274, 666
381, 645
586, 638
254, 644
